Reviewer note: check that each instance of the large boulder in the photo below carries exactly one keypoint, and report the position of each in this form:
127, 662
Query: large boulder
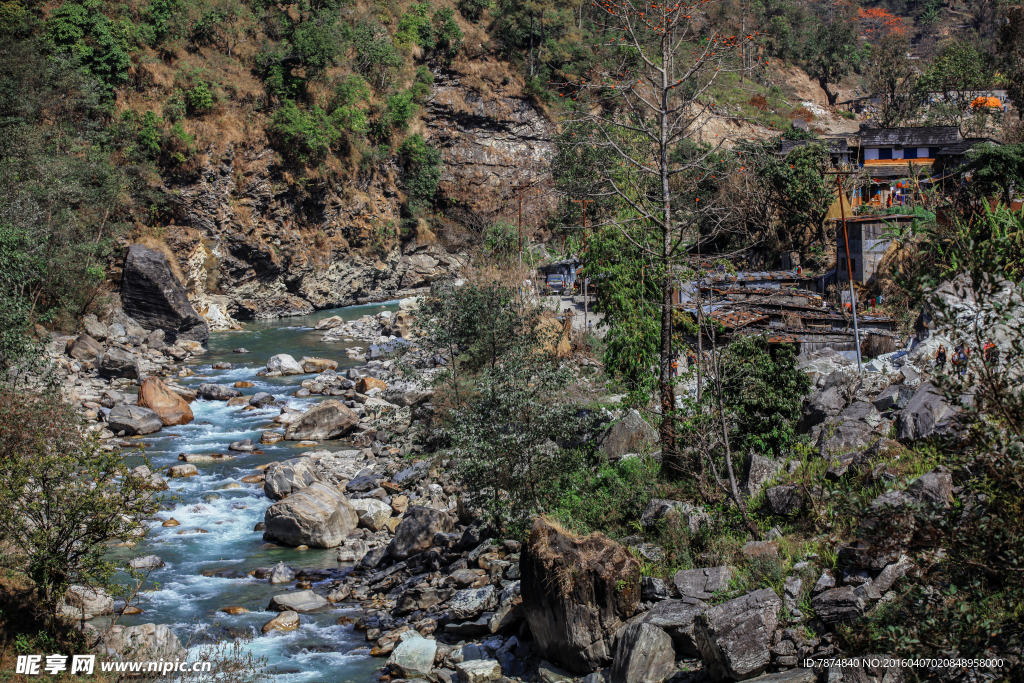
923, 414
839, 436
94, 328
119, 363
85, 348
373, 514
414, 656
933, 487
313, 364
821, 406
299, 601
759, 471
284, 364
785, 499
631, 434
330, 419
317, 516
735, 638
169, 406
702, 584
839, 605
146, 641
643, 654
133, 420
153, 296
415, 533
676, 618
93, 602
285, 478
577, 592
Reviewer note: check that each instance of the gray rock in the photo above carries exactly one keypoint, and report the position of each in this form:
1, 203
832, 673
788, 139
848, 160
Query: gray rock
282, 573
785, 499
146, 641
821, 406
643, 654
153, 296
702, 584
329, 419
893, 396
133, 420
352, 550
119, 363
417, 598
791, 593
415, 533
759, 471
676, 618
217, 392
838, 605
825, 581
791, 676
414, 656
261, 399
85, 348
155, 340
478, 671
284, 364
892, 573
94, 328
299, 601
472, 602
243, 446
373, 514
653, 589
147, 562
933, 487
675, 511
734, 638
842, 436
95, 602
632, 434
862, 411
923, 414
281, 479
317, 516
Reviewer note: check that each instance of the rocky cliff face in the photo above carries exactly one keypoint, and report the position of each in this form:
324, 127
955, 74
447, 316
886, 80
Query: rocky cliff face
257, 242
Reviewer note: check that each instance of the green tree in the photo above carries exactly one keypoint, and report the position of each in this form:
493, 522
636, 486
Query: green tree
997, 169
764, 389
63, 499
952, 82
505, 389
831, 50
84, 32
892, 79
421, 170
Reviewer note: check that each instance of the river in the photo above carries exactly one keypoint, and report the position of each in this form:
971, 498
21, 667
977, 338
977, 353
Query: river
218, 503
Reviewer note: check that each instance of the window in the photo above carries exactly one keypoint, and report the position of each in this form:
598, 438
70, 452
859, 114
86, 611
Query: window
885, 153
934, 152
910, 153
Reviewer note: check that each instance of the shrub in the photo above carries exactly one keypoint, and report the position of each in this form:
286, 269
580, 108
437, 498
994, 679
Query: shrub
83, 31
414, 27
449, 35
473, 10
421, 169
349, 91
300, 134
199, 98
149, 134
376, 56
63, 499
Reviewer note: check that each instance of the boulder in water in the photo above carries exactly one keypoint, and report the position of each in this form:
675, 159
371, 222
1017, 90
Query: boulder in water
328, 419
171, 408
284, 364
318, 516
217, 392
285, 621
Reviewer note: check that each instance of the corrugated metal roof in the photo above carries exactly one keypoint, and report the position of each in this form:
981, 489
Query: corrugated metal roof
911, 136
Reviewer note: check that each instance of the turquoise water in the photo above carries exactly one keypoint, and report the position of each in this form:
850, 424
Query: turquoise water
178, 594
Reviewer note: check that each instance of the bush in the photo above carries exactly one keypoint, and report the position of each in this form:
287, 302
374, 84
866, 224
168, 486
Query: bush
63, 499
421, 169
610, 499
414, 27
84, 32
473, 10
300, 134
199, 98
376, 56
449, 35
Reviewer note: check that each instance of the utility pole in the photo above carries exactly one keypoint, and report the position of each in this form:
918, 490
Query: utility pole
586, 306
849, 262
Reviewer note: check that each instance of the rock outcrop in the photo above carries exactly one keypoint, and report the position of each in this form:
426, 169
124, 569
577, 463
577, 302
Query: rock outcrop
734, 638
153, 296
577, 592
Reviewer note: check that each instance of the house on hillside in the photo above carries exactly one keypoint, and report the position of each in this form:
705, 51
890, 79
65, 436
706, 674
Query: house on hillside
899, 159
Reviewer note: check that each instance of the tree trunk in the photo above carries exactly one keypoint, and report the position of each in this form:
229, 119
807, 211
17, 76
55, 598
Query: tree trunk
670, 460
832, 96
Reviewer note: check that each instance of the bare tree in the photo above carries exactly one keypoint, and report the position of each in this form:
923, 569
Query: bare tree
650, 113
